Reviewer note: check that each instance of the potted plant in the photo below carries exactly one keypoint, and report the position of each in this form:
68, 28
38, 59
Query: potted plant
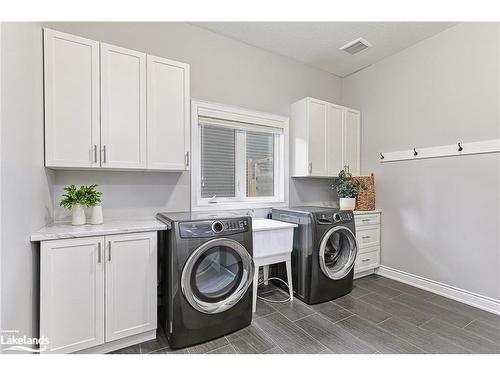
347, 191
93, 200
74, 200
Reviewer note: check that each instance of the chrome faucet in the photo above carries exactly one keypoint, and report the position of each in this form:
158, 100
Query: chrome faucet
250, 212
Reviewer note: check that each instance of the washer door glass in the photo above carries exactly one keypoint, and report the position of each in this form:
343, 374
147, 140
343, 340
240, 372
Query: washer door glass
216, 275
338, 252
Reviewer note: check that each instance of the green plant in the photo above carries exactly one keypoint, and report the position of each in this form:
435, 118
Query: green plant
345, 186
87, 196
92, 197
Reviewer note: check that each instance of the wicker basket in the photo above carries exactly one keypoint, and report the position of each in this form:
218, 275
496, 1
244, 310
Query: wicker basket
366, 194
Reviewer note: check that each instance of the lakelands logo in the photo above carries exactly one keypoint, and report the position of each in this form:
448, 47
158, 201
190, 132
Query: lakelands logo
12, 341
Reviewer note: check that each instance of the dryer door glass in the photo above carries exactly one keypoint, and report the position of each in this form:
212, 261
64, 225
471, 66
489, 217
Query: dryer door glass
338, 252
216, 275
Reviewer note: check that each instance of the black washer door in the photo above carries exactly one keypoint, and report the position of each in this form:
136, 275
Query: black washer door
216, 275
338, 252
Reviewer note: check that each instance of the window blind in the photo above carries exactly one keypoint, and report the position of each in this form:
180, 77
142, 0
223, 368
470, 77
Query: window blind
217, 161
236, 125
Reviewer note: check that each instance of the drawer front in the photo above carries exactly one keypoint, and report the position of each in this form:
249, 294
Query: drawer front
368, 236
362, 220
367, 260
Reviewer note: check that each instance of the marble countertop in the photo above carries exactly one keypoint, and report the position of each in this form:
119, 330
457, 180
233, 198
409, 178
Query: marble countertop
57, 231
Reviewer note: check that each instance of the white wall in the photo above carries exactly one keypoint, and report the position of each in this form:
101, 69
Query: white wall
222, 70
26, 197
0, 181
441, 217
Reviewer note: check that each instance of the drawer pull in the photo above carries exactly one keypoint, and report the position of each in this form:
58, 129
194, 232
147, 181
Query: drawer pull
365, 260
365, 237
365, 220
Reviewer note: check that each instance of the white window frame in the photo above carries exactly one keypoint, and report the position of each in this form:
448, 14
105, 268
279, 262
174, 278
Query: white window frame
281, 166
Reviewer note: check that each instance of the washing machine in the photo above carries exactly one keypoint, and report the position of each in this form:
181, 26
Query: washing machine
206, 270
324, 252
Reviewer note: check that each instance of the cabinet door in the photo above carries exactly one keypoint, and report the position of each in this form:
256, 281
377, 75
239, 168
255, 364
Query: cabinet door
130, 284
168, 114
317, 121
352, 138
123, 108
71, 68
334, 141
72, 294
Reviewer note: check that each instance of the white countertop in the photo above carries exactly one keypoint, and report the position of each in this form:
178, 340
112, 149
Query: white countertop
57, 231
259, 225
367, 212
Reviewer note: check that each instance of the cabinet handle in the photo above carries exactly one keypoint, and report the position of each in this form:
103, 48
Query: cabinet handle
98, 252
365, 220
365, 260
104, 154
310, 167
95, 153
187, 159
365, 237
109, 251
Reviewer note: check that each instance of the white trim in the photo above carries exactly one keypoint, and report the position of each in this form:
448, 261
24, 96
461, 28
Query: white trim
470, 298
125, 342
247, 116
469, 148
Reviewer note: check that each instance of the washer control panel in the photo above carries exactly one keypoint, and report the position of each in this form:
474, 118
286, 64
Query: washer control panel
212, 228
331, 218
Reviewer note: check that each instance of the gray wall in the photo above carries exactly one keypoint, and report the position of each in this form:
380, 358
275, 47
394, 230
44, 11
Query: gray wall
26, 197
222, 70
440, 216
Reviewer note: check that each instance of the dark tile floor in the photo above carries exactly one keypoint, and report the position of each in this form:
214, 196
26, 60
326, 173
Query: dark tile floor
379, 316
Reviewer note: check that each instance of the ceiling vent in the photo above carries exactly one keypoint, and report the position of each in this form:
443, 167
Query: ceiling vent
356, 46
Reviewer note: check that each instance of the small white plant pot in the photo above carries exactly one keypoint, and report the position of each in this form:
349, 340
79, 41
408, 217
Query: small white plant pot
96, 215
78, 215
347, 203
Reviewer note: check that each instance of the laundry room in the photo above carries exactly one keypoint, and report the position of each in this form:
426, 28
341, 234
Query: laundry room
243, 187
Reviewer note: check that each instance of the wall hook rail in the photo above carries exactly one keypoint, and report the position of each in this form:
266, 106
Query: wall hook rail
455, 149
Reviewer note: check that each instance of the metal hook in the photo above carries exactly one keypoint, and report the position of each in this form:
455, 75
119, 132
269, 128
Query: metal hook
381, 156
460, 148
415, 153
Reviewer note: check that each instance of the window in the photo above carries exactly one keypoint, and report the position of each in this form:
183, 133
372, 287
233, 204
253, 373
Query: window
238, 158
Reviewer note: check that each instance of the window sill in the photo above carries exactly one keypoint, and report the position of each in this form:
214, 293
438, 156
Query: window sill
221, 206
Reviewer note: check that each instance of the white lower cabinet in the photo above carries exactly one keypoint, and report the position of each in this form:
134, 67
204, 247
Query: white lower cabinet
96, 290
368, 237
130, 284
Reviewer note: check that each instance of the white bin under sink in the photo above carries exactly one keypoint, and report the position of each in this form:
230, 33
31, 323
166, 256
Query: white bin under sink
272, 243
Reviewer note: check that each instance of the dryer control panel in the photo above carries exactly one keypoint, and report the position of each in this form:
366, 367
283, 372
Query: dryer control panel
334, 218
213, 228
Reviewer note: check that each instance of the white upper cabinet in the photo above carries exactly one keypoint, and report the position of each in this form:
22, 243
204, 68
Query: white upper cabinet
123, 108
324, 139
71, 69
335, 140
168, 114
112, 107
317, 113
351, 137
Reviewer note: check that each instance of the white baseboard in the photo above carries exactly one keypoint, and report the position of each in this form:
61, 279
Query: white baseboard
464, 296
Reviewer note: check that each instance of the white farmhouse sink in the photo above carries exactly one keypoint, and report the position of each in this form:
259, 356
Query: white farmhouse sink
271, 237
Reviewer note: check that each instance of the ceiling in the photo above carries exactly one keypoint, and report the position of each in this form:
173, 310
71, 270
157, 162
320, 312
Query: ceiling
317, 43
